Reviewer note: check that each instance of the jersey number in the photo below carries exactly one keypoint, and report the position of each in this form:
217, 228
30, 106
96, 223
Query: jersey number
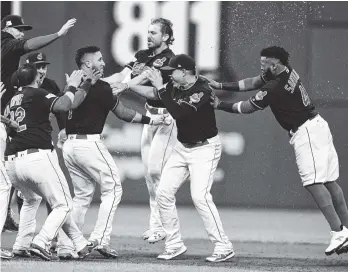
18, 116
70, 114
305, 97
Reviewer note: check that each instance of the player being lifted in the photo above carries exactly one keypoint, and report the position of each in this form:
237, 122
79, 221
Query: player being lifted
157, 142
316, 157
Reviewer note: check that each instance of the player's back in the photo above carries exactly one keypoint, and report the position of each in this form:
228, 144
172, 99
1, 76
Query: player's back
290, 102
90, 116
30, 107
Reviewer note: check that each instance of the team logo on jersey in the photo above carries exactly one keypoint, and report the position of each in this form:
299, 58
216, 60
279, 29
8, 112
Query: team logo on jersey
159, 62
196, 97
260, 95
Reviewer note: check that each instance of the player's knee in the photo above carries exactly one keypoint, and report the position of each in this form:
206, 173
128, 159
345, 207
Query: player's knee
199, 199
154, 172
164, 197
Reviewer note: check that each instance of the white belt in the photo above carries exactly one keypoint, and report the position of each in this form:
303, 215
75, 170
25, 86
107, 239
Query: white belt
92, 137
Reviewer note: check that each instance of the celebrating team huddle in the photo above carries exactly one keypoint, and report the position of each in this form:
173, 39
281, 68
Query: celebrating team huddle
180, 142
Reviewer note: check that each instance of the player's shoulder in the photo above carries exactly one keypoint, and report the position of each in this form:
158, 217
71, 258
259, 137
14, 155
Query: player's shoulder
202, 84
50, 85
271, 85
142, 53
168, 53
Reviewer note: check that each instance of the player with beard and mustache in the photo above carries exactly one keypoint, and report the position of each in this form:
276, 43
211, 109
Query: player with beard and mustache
157, 143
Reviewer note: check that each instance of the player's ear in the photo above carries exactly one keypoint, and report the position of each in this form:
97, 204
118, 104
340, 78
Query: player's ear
165, 37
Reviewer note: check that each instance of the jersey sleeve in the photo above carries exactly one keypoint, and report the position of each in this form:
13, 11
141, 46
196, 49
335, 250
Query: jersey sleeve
161, 62
264, 97
106, 98
13, 46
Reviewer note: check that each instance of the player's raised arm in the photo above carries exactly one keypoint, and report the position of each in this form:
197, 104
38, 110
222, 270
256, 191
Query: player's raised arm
132, 116
244, 85
42, 41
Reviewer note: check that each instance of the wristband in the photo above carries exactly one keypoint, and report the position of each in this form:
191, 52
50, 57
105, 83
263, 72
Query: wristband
72, 89
145, 120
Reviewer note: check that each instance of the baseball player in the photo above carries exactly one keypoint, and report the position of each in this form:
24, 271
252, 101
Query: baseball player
5, 184
310, 135
196, 153
86, 156
13, 46
157, 142
32, 163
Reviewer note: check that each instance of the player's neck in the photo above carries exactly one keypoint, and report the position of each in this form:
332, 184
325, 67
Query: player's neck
280, 69
160, 49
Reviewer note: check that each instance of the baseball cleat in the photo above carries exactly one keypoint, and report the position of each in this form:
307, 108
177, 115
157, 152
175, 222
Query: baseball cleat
343, 249
10, 223
157, 236
53, 247
5, 254
92, 245
68, 256
40, 252
147, 234
168, 255
21, 253
338, 239
107, 251
220, 257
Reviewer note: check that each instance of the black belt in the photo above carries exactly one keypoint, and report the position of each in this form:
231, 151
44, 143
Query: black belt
155, 110
21, 153
196, 144
296, 128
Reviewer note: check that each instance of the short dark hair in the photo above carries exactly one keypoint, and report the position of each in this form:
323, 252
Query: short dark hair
166, 28
26, 74
81, 52
276, 52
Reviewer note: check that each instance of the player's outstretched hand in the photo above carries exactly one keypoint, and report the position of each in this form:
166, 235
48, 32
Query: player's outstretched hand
214, 100
75, 78
65, 28
154, 75
3, 89
162, 119
118, 88
212, 83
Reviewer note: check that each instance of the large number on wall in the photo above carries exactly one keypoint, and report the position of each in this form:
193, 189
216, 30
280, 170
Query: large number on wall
204, 15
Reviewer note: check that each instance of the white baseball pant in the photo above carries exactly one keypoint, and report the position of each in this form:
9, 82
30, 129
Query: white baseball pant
88, 162
38, 175
157, 143
5, 184
316, 156
200, 163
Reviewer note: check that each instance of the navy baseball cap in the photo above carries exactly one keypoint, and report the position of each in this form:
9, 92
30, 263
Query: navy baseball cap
14, 21
181, 61
37, 58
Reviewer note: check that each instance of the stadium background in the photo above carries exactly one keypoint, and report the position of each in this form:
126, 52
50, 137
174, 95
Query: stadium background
257, 166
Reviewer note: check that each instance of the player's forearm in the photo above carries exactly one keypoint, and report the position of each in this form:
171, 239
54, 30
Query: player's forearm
145, 91
117, 77
176, 110
130, 115
81, 93
65, 102
244, 85
39, 42
241, 107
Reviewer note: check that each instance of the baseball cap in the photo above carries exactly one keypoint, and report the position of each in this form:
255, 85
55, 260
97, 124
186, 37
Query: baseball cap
37, 58
14, 21
181, 61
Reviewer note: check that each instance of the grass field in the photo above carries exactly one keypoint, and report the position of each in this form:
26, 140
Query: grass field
264, 240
